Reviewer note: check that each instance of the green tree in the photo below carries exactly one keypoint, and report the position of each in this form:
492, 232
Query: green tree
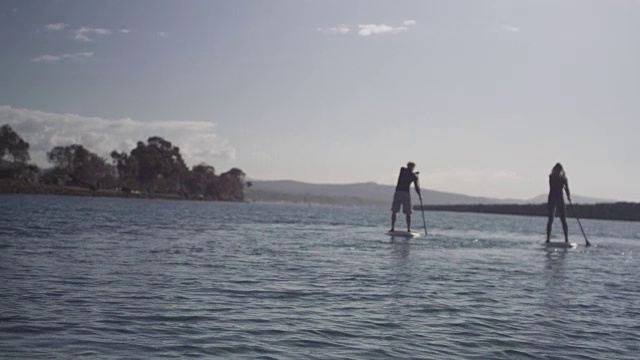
232, 185
126, 169
83, 166
13, 146
160, 165
201, 181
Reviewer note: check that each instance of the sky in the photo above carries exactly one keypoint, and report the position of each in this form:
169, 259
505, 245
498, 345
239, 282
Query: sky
484, 96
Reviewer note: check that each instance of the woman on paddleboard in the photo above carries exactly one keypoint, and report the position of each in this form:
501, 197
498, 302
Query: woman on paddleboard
557, 183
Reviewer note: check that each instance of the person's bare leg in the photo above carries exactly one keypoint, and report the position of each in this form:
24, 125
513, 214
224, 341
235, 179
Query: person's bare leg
565, 228
551, 210
393, 221
563, 218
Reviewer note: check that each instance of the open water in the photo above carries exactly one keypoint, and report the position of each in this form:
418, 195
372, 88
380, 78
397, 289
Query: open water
101, 278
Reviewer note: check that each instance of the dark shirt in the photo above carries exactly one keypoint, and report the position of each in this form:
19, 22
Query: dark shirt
556, 185
405, 179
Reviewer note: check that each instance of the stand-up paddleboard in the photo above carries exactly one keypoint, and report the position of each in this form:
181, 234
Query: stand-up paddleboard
406, 234
560, 245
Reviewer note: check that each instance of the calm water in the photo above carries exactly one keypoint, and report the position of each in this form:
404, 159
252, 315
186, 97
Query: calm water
121, 278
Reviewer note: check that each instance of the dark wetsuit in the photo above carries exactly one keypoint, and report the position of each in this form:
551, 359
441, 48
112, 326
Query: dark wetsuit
556, 196
405, 179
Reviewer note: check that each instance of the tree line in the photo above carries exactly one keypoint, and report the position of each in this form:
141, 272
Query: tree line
151, 168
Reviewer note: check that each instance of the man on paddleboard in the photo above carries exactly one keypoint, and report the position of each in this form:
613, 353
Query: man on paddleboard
402, 196
557, 183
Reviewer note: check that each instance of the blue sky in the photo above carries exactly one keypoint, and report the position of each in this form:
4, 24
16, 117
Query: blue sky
485, 96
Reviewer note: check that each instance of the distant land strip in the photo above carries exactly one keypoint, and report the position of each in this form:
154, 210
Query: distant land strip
624, 211
20, 187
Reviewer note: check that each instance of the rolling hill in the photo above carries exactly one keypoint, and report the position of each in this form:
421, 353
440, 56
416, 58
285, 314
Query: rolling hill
352, 194
370, 193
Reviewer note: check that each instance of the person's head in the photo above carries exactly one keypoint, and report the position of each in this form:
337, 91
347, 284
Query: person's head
557, 170
411, 165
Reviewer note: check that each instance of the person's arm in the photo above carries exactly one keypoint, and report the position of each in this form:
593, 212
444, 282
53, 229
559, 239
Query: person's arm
417, 184
566, 189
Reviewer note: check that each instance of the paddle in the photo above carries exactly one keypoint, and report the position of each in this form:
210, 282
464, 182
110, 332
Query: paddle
424, 222
579, 224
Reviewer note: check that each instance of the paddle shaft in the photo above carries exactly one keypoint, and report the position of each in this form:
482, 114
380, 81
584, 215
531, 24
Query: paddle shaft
579, 224
424, 221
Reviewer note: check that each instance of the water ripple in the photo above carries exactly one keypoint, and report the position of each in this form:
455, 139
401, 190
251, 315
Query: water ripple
125, 278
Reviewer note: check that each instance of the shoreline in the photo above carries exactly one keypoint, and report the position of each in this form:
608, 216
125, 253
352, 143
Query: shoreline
619, 211
21, 187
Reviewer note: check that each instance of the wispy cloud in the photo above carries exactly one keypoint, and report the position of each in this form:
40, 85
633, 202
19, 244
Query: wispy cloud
335, 30
510, 28
163, 34
197, 140
46, 58
87, 33
56, 27
376, 29
84, 33
369, 29
54, 58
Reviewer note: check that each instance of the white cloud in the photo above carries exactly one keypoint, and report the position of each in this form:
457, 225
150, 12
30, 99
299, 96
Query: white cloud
368, 29
163, 34
56, 27
510, 28
86, 33
375, 29
336, 30
46, 58
372, 29
197, 140
54, 58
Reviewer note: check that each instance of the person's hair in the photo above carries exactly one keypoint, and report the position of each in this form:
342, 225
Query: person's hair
558, 170
411, 165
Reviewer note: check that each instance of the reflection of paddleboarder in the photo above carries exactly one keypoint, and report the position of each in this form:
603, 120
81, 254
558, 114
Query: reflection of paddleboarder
402, 196
557, 183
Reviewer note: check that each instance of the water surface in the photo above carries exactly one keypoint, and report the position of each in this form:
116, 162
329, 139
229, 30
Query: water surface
129, 278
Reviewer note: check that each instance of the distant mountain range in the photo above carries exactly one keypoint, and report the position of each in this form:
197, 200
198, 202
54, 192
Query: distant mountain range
371, 194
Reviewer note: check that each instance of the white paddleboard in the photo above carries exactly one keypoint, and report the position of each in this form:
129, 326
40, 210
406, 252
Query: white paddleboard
406, 234
560, 245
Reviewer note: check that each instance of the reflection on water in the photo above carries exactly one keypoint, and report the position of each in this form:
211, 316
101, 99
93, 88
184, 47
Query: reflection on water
400, 246
554, 276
